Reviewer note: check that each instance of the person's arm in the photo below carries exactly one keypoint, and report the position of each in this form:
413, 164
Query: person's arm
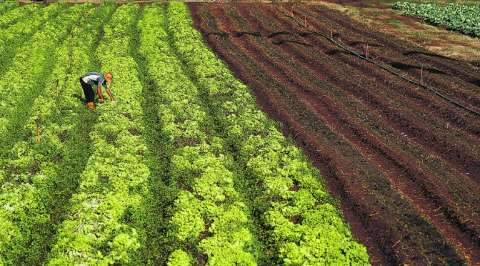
109, 92
99, 92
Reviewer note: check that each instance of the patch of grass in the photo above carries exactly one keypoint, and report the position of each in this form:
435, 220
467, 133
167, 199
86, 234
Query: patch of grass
395, 22
418, 35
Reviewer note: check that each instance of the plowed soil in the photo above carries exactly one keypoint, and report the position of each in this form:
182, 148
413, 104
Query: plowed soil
404, 163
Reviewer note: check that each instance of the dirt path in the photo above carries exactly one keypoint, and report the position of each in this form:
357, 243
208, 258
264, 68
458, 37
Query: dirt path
401, 160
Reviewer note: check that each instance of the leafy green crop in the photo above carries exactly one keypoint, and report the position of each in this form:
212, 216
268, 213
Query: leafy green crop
24, 79
76, 186
101, 226
17, 14
12, 36
458, 17
305, 226
6, 7
208, 215
29, 167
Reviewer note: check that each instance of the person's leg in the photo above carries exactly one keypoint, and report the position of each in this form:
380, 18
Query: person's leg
86, 89
89, 94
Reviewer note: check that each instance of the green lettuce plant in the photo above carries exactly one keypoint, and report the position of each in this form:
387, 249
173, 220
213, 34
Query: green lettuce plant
30, 172
101, 226
302, 220
209, 219
459, 17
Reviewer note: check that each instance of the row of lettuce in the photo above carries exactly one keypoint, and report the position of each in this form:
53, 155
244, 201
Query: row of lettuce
297, 217
23, 66
77, 185
6, 7
209, 218
102, 227
38, 171
18, 26
464, 18
18, 85
9, 15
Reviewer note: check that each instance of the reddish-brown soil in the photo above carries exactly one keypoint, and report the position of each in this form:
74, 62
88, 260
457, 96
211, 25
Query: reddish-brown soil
404, 163
348, 2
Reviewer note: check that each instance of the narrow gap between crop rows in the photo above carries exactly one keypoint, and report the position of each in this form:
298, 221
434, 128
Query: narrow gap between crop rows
158, 245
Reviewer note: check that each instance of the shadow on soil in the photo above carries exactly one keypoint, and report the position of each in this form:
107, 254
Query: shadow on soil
403, 66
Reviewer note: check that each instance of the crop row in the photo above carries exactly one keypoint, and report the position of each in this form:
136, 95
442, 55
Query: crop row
296, 211
101, 226
77, 185
459, 17
39, 177
25, 78
209, 220
13, 36
6, 7
11, 15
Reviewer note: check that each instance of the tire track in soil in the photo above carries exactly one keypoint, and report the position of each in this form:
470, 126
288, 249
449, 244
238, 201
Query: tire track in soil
211, 42
397, 168
370, 222
463, 87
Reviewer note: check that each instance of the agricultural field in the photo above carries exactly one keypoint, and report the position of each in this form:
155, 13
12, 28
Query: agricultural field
459, 17
403, 161
183, 169
380, 16
241, 134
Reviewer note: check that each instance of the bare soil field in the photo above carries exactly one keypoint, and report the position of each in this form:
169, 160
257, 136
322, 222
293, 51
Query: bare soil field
378, 15
404, 163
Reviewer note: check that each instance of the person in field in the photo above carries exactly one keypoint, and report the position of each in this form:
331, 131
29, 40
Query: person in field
96, 80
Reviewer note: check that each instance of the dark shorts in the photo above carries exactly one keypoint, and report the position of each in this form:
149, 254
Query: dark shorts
88, 91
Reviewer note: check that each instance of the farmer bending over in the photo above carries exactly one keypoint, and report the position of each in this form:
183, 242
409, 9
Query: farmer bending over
97, 80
